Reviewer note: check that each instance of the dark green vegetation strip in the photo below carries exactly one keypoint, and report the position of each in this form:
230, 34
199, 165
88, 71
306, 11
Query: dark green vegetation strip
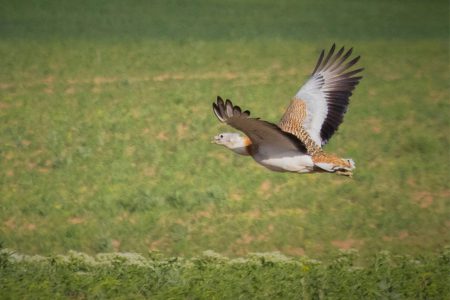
223, 20
211, 276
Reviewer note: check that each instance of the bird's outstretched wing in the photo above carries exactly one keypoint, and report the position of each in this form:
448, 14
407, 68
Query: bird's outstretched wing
324, 97
262, 134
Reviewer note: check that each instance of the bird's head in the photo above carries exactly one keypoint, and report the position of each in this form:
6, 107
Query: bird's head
233, 141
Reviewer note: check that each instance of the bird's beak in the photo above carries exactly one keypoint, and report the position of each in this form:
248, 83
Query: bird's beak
215, 140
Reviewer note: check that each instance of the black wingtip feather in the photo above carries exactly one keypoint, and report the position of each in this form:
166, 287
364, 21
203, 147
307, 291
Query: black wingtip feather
352, 62
225, 109
330, 53
217, 113
319, 62
351, 73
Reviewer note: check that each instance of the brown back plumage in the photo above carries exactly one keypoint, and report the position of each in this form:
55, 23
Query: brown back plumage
292, 121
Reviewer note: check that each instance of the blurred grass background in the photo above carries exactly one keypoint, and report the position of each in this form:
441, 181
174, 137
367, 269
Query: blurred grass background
105, 123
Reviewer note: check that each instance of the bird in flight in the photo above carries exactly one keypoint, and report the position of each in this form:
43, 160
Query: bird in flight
312, 117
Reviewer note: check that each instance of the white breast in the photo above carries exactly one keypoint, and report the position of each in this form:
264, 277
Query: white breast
285, 162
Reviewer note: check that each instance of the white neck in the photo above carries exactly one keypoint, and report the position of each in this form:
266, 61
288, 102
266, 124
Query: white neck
241, 146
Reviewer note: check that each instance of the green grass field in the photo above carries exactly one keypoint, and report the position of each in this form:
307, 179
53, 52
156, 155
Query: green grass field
106, 122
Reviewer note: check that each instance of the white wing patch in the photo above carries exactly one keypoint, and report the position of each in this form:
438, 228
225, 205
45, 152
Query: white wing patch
316, 107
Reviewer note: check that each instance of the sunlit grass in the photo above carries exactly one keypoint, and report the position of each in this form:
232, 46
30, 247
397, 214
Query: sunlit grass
105, 138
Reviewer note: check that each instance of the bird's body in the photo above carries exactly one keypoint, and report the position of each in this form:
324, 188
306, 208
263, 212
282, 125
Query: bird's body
295, 144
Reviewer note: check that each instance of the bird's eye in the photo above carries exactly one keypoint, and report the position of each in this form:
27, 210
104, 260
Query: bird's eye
221, 136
